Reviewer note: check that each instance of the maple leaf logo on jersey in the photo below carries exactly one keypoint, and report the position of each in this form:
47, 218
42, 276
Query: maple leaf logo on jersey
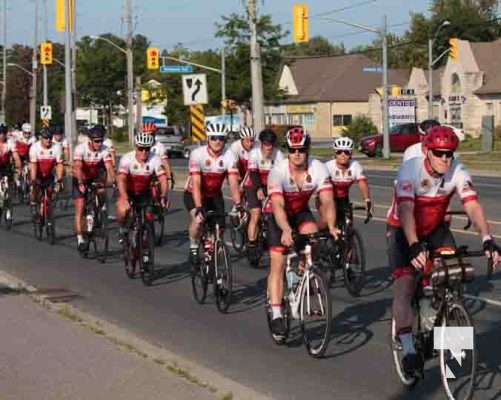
207, 163
467, 186
406, 186
425, 183
221, 163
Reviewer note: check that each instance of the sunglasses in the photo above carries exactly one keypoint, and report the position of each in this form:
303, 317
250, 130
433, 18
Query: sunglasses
47, 137
346, 152
218, 138
97, 141
301, 150
441, 153
267, 143
143, 149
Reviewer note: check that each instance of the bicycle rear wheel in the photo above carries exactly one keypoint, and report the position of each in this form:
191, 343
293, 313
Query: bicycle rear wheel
397, 355
458, 376
101, 235
490, 268
147, 254
199, 277
223, 280
315, 314
354, 263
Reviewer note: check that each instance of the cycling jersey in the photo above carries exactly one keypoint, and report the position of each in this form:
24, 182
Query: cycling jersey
261, 166
281, 183
46, 159
158, 149
6, 151
23, 145
431, 195
139, 175
107, 142
64, 143
343, 179
416, 150
93, 162
242, 156
213, 170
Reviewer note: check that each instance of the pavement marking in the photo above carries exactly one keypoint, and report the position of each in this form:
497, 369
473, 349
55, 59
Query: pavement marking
484, 299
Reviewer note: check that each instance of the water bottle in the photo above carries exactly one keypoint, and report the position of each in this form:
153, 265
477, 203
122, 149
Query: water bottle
208, 249
428, 313
89, 219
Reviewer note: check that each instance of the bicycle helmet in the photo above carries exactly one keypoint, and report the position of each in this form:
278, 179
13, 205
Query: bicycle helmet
96, 132
425, 126
268, 136
46, 133
26, 128
343, 143
3, 129
148, 127
144, 140
247, 133
441, 138
216, 129
57, 130
297, 137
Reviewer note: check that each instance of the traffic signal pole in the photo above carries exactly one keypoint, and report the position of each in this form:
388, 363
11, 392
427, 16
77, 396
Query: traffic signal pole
256, 73
45, 84
130, 72
34, 67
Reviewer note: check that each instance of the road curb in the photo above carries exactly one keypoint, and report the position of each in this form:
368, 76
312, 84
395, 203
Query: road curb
172, 363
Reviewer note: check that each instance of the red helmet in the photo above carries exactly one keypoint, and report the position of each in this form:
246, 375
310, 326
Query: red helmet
148, 127
441, 138
297, 137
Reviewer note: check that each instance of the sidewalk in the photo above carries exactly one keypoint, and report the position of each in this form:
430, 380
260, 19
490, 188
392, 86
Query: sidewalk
45, 356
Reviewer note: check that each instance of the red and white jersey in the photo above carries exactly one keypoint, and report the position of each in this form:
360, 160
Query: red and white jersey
343, 179
64, 144
108, 143
139, 174
262, 165
416, 150
93, 162
212, 169
158, 149
431, 195
23, 144
46, 159
281, 183
242, 156
6, 150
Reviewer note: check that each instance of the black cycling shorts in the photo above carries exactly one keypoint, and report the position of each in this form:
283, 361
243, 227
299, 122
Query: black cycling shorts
76, 193
251, 196
295, 222
215, 204
341, 204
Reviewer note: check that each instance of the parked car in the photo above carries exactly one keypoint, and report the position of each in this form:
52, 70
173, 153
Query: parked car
459, 132
401, 137
172, 137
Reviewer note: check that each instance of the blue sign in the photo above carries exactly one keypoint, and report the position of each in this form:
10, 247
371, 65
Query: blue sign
154, 120
375, 68
176, 69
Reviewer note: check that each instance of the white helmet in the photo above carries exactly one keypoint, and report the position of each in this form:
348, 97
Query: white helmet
144, 139
343, 143
26, 127
247, 133
216, 129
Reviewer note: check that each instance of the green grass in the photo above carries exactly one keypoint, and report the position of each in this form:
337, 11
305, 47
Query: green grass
122, 147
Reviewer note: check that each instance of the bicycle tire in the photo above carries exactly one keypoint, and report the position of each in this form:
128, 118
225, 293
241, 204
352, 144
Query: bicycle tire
255, 262
199, 277
8, 221
238, 236
396, 350
354, 280
101, 236
223, 279
316, 289
159, 229
490, 268
129, 261
147, 250
51, 223
461, 319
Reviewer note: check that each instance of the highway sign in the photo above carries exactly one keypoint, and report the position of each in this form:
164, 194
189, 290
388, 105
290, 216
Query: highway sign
176, 69
45, 112
373, 68
194, 89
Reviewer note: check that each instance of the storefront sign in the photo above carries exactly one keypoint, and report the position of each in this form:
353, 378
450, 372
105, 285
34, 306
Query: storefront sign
401, 111
298, 109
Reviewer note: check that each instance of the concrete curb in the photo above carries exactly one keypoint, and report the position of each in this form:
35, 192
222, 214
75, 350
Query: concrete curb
177, 365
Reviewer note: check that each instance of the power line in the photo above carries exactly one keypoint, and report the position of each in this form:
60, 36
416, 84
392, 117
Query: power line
360, 4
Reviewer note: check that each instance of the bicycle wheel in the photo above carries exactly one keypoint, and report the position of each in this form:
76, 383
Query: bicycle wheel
286, 311
490, 268
315, 314
129, 257
396, 350
8, 213
238, 235
199, 277
51, 222
101, 235
458, 375
159, 228
354, 263
147, 254
223, 280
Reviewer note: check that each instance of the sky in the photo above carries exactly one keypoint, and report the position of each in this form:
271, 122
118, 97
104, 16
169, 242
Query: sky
191, 22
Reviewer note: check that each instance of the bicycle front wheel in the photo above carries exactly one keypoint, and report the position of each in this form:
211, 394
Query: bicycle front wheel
354, 263
51, 223
458, 371
199, 277
159, 228
397, 354
223, 279
101, 236
238, 235
490, 268
315, 314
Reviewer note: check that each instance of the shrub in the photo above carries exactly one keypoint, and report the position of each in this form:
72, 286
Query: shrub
119, 134
359, 127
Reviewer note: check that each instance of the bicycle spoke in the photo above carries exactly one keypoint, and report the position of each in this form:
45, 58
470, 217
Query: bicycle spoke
223, 280
199, 278
146, 255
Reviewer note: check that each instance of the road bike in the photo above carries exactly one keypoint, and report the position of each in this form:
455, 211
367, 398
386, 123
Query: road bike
23, 188
44, 212
261, 236
213, 265
237, 228
6, 207
307, 296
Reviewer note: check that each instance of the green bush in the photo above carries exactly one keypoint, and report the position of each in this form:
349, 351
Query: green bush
119, 134
359, 127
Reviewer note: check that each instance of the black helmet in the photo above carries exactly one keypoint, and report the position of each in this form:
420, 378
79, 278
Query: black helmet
3, 128
268, 136
96, 132
57, 130
425, 126
45, 133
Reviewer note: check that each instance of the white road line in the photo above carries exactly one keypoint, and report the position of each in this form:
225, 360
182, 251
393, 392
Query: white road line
484, 299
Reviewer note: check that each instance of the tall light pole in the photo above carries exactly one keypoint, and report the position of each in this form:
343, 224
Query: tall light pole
4, 62
130, 71
44, 67
256, 73
34, 63
430, 68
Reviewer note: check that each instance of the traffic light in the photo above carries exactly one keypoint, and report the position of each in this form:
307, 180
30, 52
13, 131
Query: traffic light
152, 58
300, 23
229, 104
453, 48
46, 53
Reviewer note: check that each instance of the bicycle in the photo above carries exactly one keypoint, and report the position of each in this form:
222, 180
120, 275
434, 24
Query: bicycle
213, 265
23, 190
347, 253
238, 229
438, 303
44, 213
6, 207
139, 244
261, 238
307, 295
96, 221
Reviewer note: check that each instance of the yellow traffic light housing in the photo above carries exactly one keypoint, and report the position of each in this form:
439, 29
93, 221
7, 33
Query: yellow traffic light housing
229, 104
300, 23
453, 48
152, 58
46, 53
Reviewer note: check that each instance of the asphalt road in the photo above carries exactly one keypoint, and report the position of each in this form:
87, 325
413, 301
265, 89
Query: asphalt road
358, 361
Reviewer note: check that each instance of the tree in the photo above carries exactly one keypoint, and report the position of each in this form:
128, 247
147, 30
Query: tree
316, 46
17, 105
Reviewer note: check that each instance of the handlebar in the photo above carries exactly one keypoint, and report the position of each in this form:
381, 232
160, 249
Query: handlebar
468, 223
362, 208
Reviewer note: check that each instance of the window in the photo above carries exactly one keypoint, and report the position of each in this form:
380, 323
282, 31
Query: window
341, 120
489, 108
309, 119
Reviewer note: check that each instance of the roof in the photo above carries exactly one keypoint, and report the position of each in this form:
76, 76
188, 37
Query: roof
488, 58
338, 78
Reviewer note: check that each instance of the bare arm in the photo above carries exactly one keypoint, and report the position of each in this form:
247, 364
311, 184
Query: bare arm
406, 213
33, 171
278, 206
234, 188
196, 182
164, 185
77, 169
17, 161
364, 189
110, 171
122, 186
476, 214
59, 171
328, 209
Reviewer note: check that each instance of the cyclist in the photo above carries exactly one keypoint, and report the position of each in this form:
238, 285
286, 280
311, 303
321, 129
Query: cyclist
59, 140
89, 161
135, 174
107, 142
291, 183
8, 153
241, 148
209, 165
261, 160
415, 225
24, 142
419, 149
45, 159
158, 148
343, 172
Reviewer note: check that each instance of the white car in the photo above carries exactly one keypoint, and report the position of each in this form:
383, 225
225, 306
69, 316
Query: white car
459, 132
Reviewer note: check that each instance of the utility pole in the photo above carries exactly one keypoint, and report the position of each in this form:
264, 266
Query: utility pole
67, 77
73, 53
45, 30
4, 62
256, 74
34, 67
139, 104
223, 83
130, 71
386, 128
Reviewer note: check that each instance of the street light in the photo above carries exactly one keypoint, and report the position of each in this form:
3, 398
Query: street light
109, 42
431, 62
21, 68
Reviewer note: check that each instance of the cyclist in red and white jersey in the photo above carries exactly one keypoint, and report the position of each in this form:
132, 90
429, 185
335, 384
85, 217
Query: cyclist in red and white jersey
241, 148
158, 148
419, 149
261, 160
90, 160
416, 225
8, 153
24, 141
209, 166
59, 140
291, 183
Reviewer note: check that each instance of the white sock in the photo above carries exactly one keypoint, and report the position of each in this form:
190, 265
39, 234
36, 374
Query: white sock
80, 239
276, 312
407, 344
194, 243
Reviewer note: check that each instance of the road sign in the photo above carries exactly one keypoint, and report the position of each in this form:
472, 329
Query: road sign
194, 89
45, 112
176, 69
374, 68
197, 123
